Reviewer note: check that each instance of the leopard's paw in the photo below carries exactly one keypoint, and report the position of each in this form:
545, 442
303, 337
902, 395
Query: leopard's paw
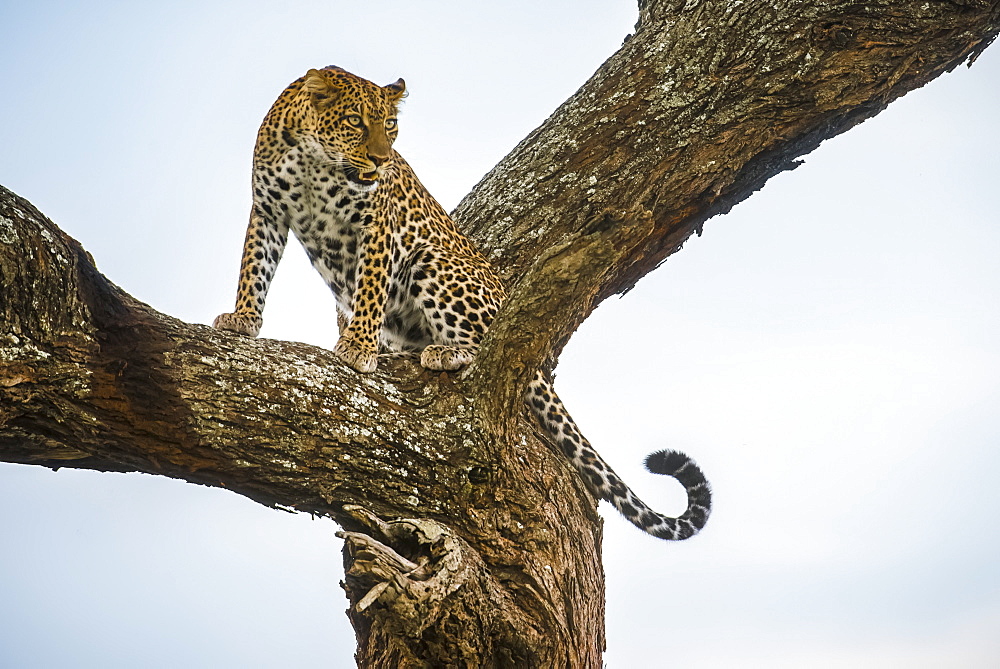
441, 358
363, 359
244, 325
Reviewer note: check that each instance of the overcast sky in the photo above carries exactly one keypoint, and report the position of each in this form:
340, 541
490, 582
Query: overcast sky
829, 351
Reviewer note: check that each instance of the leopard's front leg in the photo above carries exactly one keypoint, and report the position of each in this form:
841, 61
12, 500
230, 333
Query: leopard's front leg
358, 343
262, 250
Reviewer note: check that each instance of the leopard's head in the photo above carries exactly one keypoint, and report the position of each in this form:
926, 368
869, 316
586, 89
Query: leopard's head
353, 121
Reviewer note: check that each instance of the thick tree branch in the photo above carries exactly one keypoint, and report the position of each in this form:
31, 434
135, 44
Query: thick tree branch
706, 102
91, 378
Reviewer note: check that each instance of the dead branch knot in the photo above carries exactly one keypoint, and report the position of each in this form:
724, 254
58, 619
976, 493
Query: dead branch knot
410, 565
417, 580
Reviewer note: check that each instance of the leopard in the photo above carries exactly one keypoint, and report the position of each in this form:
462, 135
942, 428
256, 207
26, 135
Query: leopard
405, 278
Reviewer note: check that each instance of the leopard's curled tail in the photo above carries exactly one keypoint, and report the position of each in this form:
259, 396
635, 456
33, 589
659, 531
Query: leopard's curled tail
605, 484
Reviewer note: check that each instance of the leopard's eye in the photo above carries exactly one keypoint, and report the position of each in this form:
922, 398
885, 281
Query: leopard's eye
354, 120
390, 124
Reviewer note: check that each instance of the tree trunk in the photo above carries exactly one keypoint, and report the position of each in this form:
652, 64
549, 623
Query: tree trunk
470, 542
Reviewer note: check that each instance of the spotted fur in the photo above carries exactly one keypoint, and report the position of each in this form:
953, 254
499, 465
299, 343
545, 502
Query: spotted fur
405, 278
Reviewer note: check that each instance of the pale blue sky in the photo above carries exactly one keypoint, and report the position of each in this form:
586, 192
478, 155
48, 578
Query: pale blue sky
829, 351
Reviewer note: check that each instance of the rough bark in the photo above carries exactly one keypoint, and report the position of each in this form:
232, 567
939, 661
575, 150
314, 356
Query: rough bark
469, 540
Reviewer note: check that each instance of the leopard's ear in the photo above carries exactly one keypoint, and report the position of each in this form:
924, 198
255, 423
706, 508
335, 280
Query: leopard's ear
396, 90
324, 91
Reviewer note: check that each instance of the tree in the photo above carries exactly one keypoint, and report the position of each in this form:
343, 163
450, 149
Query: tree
673, 129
